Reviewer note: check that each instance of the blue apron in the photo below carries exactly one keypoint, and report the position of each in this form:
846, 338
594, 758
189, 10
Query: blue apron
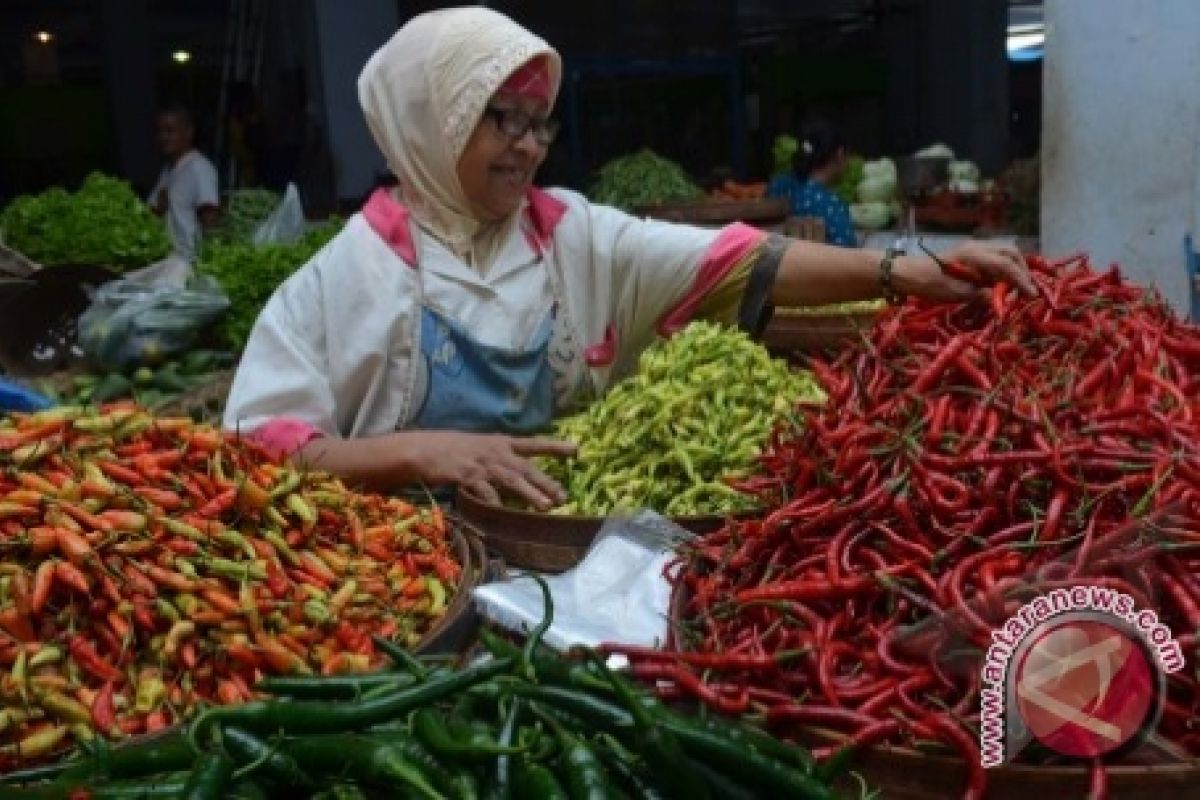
471, 386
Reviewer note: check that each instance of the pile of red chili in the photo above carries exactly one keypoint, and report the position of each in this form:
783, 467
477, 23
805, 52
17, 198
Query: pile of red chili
149, 565
969, 458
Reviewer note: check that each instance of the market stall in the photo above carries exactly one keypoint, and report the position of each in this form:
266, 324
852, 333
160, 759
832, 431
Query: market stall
184, 610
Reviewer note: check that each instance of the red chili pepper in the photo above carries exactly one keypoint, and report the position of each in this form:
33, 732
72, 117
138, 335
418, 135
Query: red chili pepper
85, 655
184, 547
933, 373
138, 580
242, 654
104, 710
171, 580
69, 575
163, 499
1054, 514
156, 721
43, 580
692, 684
121, 473
219, 504
17, 624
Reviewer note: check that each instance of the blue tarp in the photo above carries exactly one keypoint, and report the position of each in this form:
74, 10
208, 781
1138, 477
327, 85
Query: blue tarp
15, 397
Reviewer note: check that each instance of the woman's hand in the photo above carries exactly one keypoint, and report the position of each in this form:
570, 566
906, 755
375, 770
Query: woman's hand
920, 275
485, 464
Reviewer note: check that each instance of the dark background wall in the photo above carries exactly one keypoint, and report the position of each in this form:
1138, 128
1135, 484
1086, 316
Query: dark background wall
707, 82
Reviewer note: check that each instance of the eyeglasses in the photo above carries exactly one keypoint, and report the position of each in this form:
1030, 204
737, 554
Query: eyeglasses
515, 123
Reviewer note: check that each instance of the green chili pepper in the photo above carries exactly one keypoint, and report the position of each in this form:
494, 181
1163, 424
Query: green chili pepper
401, 657
719, 784
662, 750
287, 484
268, 762
209, 777
315, 716
332, 687
465, 743
666, 439
628, 768
363, 758
502, 778
535, 782
743, 763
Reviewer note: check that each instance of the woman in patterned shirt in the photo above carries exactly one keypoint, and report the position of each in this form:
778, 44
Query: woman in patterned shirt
818, 166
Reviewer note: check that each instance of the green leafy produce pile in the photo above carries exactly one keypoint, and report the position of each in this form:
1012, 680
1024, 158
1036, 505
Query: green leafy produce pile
847, 187
695, 415
250, 273
104, 223
244, 211
643, 179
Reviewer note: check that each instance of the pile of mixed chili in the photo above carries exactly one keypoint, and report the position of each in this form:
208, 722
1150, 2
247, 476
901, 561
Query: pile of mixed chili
151, 565
521, 723
970, 458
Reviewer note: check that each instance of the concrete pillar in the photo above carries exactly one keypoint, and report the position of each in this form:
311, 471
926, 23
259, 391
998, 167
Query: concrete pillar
948, 78
347, 35
1121, 135
126, 32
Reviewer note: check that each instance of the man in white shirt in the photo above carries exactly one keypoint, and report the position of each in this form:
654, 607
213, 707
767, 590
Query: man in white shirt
186, 192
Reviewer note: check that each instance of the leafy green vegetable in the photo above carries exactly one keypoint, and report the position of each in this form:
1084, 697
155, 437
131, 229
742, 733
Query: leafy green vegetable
643, 179
783, 154
104, 223
847, 187
249, 274
245, 209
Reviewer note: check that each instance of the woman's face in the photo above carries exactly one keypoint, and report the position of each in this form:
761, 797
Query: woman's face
496, 170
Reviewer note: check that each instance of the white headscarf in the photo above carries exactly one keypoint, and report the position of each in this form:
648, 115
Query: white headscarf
424, 92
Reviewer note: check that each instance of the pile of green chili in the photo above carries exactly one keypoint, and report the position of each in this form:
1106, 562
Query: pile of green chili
519, 723
695, 416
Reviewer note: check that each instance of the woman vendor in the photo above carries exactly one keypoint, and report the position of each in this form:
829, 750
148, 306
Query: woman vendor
461, 310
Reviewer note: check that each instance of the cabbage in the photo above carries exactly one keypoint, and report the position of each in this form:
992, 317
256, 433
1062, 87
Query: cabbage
870, 215
876, 189
882, 168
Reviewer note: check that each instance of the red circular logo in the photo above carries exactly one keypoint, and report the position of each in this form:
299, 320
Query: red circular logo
1085, 687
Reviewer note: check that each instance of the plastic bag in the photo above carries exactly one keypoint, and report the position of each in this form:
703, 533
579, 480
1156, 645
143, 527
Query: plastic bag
286, 224
616, 594
131, 324
172, 272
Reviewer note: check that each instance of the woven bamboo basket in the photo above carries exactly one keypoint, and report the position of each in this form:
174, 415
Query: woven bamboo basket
547, 542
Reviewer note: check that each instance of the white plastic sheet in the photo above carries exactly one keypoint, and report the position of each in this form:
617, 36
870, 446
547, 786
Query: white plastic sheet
618, 593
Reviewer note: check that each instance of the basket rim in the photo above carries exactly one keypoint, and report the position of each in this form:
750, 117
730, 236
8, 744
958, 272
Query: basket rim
466, 498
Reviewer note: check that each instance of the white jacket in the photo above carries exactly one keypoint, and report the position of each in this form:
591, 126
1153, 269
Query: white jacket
335, 345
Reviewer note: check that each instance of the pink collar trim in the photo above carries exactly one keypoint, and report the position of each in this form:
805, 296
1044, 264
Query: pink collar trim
545, 212
389, 219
